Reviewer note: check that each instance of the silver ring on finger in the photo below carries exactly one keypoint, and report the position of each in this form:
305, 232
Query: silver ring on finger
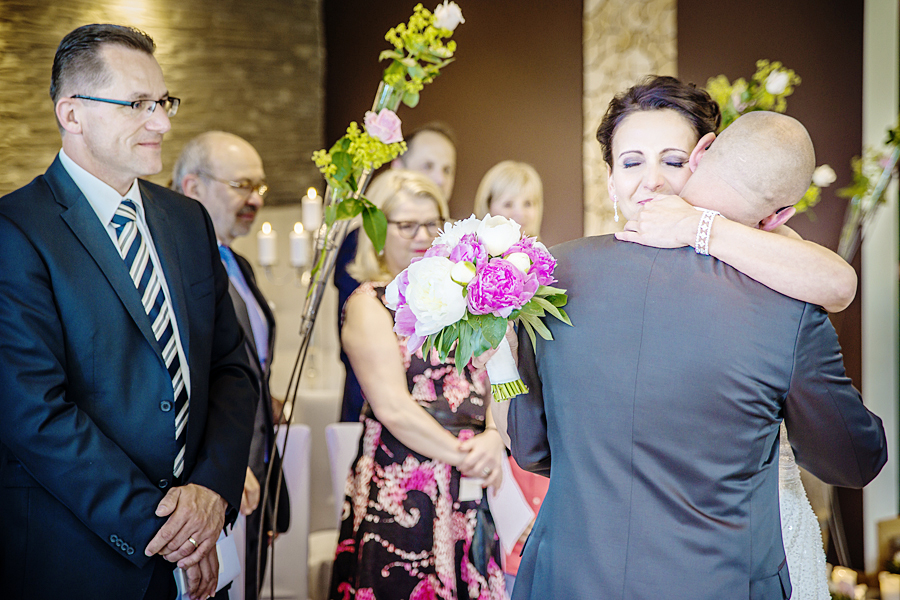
486, 471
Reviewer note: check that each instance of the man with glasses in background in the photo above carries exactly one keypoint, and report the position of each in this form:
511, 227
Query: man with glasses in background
224, 173
126, 391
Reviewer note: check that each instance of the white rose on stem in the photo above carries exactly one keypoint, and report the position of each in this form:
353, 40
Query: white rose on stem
448, 16
498, 234
434, 298
777, 82
453, 232
520, 261
463, 272
823, 176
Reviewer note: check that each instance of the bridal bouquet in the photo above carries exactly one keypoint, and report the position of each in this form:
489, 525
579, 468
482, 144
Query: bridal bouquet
478, 275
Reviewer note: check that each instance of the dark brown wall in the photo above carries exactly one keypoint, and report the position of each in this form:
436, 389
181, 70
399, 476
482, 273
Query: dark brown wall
822, 40
514, 92
254, 69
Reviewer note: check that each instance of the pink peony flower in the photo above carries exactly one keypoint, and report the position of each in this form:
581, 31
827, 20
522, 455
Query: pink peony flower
468, 249
384, 126
542, 262
500, 288
438, 250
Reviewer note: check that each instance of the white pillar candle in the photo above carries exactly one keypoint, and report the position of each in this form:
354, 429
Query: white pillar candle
299, 242
266, 241
311, 211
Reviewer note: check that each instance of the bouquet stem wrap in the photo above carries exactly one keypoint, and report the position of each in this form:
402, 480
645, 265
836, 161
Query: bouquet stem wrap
504, 376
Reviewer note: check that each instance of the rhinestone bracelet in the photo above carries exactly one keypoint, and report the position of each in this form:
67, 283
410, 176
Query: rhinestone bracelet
701, 245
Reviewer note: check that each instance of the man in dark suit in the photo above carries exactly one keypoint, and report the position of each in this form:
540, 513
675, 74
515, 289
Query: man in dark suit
659, 411
125, 388
225, 174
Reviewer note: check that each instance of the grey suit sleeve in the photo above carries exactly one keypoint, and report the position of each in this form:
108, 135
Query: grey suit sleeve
832, 433
527, 421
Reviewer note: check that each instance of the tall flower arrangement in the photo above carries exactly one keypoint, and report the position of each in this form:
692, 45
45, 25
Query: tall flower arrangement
767, 89
420, 50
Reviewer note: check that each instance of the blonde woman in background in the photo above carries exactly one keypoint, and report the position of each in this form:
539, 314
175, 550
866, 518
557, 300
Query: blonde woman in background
514, 190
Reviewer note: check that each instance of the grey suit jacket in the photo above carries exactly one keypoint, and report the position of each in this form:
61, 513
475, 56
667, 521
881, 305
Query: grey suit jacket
659, 413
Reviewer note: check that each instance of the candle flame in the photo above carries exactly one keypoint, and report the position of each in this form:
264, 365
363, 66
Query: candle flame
267, 228
311, 193
298, 227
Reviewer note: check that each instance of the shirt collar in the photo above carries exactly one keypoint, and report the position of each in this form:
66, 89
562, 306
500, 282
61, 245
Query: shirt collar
102, 197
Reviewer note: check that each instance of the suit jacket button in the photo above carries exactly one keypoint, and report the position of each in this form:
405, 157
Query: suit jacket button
130, 551
113, 538
165, 406
163, 484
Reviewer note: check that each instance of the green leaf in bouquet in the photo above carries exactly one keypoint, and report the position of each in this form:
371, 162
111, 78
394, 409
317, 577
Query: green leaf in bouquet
532, 309
565, 317
471, 343
539, 326
492, 328
549, 290
348, 209
389, 54
411, 99
375, 224
529, 330
543, 303
415, 70
557, 300
428, 344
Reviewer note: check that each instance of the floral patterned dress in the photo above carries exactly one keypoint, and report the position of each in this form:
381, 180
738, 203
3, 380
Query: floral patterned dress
405, 534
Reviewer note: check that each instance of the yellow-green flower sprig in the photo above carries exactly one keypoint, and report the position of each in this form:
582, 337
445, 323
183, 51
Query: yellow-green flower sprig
419, 54
760, 93
352, 154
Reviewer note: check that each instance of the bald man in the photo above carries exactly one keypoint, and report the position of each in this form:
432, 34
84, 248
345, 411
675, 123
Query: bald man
659, 411
225, 174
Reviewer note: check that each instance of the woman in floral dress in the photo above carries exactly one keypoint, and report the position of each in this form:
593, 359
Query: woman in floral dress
416, 523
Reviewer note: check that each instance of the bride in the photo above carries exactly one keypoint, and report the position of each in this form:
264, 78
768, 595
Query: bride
647, 150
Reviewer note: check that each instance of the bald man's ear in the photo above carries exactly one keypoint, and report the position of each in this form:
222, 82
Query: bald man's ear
777, 218
700, 149
67, 115
189, 186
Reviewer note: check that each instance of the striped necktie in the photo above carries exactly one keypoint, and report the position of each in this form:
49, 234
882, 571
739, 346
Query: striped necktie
136, 255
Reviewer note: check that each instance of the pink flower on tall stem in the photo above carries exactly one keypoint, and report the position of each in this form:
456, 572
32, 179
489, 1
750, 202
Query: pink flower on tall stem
384, 126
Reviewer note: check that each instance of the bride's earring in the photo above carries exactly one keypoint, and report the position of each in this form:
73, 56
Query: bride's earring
615, 208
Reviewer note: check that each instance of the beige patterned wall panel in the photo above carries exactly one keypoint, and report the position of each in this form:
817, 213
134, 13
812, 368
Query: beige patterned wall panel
624, 40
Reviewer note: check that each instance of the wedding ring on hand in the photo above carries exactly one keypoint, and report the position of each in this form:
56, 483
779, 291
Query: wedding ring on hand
193, 541
486, 471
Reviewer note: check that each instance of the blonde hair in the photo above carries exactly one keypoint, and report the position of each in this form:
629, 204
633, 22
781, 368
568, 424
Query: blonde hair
387, 191
513, 177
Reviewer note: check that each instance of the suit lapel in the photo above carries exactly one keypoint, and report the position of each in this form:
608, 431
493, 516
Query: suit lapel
166, 244
83, 221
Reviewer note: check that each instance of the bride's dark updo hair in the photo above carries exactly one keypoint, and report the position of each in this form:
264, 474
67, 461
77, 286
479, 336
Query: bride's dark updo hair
654, 93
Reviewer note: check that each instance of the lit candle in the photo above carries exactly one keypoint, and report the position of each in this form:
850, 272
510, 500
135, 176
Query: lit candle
889, 584
299, 246
311, 211
266, 241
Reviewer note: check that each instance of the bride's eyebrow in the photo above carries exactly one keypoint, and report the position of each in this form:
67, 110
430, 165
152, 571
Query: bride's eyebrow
683, 151
624, 152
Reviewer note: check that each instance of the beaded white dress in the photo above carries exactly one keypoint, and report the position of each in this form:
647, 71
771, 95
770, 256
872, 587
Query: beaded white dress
800, 530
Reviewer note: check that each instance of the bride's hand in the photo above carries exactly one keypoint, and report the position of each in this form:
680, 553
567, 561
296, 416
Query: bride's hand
484, 453
666, 222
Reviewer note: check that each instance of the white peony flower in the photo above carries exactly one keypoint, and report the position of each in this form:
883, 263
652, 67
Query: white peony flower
453, 232
823, 176
520, 261
777, 82
448, 16
463, 272
498, 234
434, 298
392, 293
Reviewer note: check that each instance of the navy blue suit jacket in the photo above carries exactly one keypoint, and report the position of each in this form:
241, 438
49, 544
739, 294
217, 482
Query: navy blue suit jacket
87, 435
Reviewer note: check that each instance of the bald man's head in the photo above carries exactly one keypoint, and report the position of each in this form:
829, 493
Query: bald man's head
764, 160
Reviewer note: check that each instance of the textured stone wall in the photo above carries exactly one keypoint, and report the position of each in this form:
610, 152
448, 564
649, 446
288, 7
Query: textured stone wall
252, 68
624, 40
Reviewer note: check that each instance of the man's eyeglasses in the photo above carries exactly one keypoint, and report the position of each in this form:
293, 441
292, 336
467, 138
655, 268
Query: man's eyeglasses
409, 229
245, 186
142, 108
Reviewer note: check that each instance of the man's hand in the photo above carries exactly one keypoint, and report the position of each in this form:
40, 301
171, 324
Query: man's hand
194, 512
250, 497
666, 222
203, 578
485, 451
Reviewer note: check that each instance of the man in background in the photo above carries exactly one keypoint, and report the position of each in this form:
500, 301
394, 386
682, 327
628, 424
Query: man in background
224, 173
126, 393
431, 150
